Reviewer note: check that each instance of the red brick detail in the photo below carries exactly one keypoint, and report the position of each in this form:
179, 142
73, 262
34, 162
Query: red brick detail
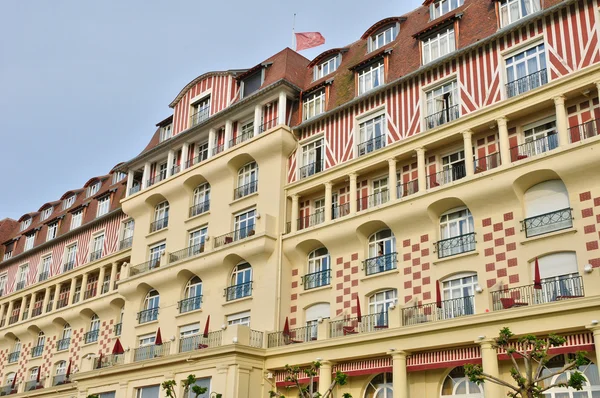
426, 280
355, 282
597, 201
339, 286
346, 278
293, 308
585, 196
508, 216
338, 312
294, 296
509, 231
512, 262
346, 291
513, 278
417, 275
498, 227
406, 243
595, 262
294, 272
593, 245
416, 262
499, 242
339, 299
407, 298
587, 212
489, 251
292, 321
347, 304
354, 257
424, 238
491, 282
355, 270
354, 296
486, 222
407, 284
501, 272
500, 256
406, 257
407, 271
416, 247
425, 266
417, 290
339, 260
347, 265
424, 252
294, 284
339, 273
589, 229
511, 247
488, 237
489, 267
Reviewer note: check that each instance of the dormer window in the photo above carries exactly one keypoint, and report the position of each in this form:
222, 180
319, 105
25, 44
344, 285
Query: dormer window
119, 176
25, 223
370, 77
383, 37
201, 111
438, 45
327, 67
512, 10
251, 83
166, 132
441, 7
313, 104
94, 188
46, 213
68, 202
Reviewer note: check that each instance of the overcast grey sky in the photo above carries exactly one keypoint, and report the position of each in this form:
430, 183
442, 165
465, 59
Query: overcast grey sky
83, 83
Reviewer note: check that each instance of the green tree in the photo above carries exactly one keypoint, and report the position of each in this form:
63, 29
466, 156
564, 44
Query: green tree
188, 384
533, 377
293, 376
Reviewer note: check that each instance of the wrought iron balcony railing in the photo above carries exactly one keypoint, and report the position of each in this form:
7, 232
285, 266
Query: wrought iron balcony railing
200, 116
234, 236
118, 328
68, 266
446, 176
145, 267
14, 356
21, 285
60, 379
340, 210
446, 309
295, 336
373, 200
318, 217
63, 344
33, 385
63, 302
13, 319
202, 156
97, 255
148, 315
50, 306
245, 190
527, 83
548, 222
407, 188
91, 336
109, 360
442, 117
218, 149
200, 208
126, 243
534, 147
188, 252
135, 189
175, 169
198, 342
371, 145
368, 323
37, 311
559, 288
159, 224
151, 352
43, 276
190, 304
241, 138
37, 351
379, 264
488, 162
268, 125
316, 279
311, 169
584, 130
162, 175
455, 245
236, 292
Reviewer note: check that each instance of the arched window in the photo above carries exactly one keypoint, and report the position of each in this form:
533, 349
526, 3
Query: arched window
9, 378
547, 208
16, 352
379, 303
65, 340
456, 383
312, 316
247, 181
458, 295
193, 296
380, 386
319, 272
60, 373
241, 282
92, 335
161, 217
382, 252
33, 376
559, 277
201, 200
591, 386
150, 311
17, 346
39, 347
457, 232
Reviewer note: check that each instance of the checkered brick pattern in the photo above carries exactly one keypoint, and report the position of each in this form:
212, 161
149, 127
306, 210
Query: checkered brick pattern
499, 245
75, 347
48, 354
24, 359
3, 360
345, 274
106, 334
414, 262
590, 215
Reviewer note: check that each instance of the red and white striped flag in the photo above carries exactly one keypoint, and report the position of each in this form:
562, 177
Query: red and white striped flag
306, 40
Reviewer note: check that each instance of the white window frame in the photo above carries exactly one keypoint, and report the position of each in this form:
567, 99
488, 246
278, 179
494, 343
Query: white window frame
444, 41
45, 264
244, 222
201, 109
202, 151
119, 176
198, 236
367, 132
247, 174
97, 243
68, 202
441, 7
94, 188
541, 56
23, 271
161, 211
46, 213
366, 77
166, 132
76, 219
383, 37
327, 67
146, 339
201, 194
504, 7
241, 318
52, 231
379, 303
313, 104
3, 281
155, 252
457, 287
70, 254
26, 223
152, 301
127, 230
103, 206
434, 95
29, 241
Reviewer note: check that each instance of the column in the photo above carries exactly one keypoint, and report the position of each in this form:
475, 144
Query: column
281, 108
503, 137
46, 299
328, 201
130, 176
596, 331
72, 290
32, 304
324, 377
562, 124
392, 179
56, 294
170, 162
84, 281
22, 309
294, 216
2, 312
113, 277
185, 149
228, 133
212, 137
399, 373
353, 188
421, 172
468, 148
257, 119
146, 175
11, 305
489, 361
101, 275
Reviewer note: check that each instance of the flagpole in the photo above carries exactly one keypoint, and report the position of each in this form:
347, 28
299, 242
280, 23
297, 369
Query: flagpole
294, 33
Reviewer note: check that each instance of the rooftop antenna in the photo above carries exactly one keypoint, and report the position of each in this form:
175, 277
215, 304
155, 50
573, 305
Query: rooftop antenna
294, 33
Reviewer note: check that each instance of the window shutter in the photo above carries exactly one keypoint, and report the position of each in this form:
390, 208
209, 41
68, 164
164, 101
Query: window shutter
546, 197
556, 264
189, 328
318, 311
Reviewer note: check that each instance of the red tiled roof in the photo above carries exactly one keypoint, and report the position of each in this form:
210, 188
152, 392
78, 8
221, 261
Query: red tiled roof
380, 24
437, 23
326, 54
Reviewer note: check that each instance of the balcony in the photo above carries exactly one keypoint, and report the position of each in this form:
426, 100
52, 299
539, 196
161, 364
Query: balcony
50, 306
8, 389
43, 276
33, 385
190, 304
62, 303
560, 288
584, 131
316, 279
447, 309
241, 138
90, 293
295, 336
311, 169
7, 255
371, 145
339, 211
200, 158
145, 267
37, 351
108, 361
97, 255
548, 222
218, 149
126, 243
268, 125
456, 245
134, 189
14, 356
368, 323
68, 266
445, 116
105, 286
63, 344
91, 336
534, 147
20, 285
526, 83
36, 311
379, 264
188, 252
200, 116
175, 169
151, 351
160, 176
236, 292
373, 200
488, 162
13, 319
245, 190
60, 379
407, 188
148, 315
118, 328
234, 236
159, 224
198, 342
455, 172
200, 208
316, 218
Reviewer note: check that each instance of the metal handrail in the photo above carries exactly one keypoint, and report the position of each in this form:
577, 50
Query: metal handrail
96, 255
534, 147
126, 243
148, 315
151, 351
584, 130
234, 236
241, 138
446, 309
145, 267
14, 356
109, 360
383, 263
340, 210
118, 328
218, 149
200, 208
405, 189
455, 245
442, 117
548, 222
269, 124
200, 158
190, 304
33, 385
135, 189
375, 199
294, 336
37, 351
239, 291
456, 172
61, 303
175, 169
159, 224
68, 266
63, 344
37, 311
91, 292
311, 220
188, 252
316, 279
200, 116
13, 319
245, 190
198, 341
158, 177
43, 276
21, 285
311, 169
371, 145
256, 338
487, 162
91, 336
367, 324
526, 83
60, 379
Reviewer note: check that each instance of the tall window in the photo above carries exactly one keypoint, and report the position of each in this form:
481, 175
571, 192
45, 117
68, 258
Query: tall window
103, 206
161, 217
251, 84
313, 314
38, 349
372, 135
188, 337
70, 256
241, 318
3, 280
442, 105
201, 200
44, 271
25, 224
93, 189
241, 282
547, 208
441, 7
61, 370
319, 269
244, 224
193, 296
381, 386
52, 231
438, 45
453, 168
370, 77
559, 277
97, 247
526, 70
383, 37
22, 277
150, 309
247, 181
379, 192
456, 232
457, 383
327, 67
196, 241
46, 213
29, 241
65, 339
312, 158
68, 202
156, 252
513, 10
458, 295
149, 391
166, 132
202, 151
539, 137
94, 331
128, 227
313, 104
76, 219
382, 252
119, 176
379, 303
201, 111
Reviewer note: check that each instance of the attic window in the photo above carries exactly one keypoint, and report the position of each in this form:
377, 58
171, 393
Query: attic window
46, 213
25, 224
327, 67
166, 132
383, 37
441, 7
251, 84
93, 189
439, 44
68, 202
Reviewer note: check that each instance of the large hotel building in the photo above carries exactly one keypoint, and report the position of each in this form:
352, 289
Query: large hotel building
385, 208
